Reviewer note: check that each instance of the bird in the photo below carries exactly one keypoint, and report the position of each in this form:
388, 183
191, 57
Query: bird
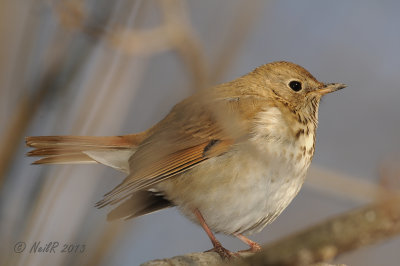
230, 157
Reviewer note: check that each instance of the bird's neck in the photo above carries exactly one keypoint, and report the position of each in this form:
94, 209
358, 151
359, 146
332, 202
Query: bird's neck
304, 126
291, 135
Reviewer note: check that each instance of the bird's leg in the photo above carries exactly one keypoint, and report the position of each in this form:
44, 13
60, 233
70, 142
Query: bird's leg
254, 247
223, 252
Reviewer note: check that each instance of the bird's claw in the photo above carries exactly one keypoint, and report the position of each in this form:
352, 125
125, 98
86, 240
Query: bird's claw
224, 253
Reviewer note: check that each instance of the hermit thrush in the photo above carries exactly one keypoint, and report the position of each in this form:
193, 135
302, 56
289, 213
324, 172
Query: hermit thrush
231, 157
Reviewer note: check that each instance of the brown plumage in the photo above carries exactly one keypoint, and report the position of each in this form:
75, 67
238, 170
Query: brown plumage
247, 137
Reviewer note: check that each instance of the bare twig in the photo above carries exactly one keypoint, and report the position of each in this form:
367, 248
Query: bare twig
319, 243
204, 258
174, 34
333, 237
344, 186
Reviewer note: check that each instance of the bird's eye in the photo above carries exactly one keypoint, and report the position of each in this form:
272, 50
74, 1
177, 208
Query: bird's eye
295, 85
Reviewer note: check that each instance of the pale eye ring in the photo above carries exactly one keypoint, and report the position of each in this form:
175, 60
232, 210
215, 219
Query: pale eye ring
295, 85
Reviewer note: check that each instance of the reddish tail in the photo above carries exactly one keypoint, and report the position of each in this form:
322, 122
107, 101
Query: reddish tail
77, 149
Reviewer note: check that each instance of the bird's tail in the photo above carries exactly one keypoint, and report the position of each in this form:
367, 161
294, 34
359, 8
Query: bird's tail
112, 151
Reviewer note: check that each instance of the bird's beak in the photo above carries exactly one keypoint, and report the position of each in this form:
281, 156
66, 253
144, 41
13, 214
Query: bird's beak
331, 87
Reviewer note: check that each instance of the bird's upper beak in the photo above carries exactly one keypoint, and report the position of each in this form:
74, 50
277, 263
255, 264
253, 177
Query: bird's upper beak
331, 87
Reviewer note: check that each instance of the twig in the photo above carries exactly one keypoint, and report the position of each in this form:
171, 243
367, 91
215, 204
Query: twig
345, 186
333, 237
174, 34
319, 243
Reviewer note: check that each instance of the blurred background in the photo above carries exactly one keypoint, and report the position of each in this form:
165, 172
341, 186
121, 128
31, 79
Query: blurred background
98, 67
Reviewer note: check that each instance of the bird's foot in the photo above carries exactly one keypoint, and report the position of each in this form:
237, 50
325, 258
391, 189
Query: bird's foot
224, 253
254, 247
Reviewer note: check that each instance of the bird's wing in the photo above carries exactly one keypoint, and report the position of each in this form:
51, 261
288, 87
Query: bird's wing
192, 133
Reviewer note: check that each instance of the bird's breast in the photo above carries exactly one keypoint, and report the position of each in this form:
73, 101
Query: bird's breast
280, 138
246, 188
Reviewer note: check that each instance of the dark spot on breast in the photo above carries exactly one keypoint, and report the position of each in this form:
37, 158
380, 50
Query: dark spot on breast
299, 132
300, 119
303, 149
308, 131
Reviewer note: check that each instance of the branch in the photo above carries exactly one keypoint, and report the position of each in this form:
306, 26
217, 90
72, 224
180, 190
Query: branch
322, 242
202, 258
194, 259
333, 237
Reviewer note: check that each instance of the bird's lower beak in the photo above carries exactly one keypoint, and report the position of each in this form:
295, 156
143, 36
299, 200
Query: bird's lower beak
331, 87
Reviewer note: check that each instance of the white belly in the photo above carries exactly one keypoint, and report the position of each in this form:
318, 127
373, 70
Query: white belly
238, 192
